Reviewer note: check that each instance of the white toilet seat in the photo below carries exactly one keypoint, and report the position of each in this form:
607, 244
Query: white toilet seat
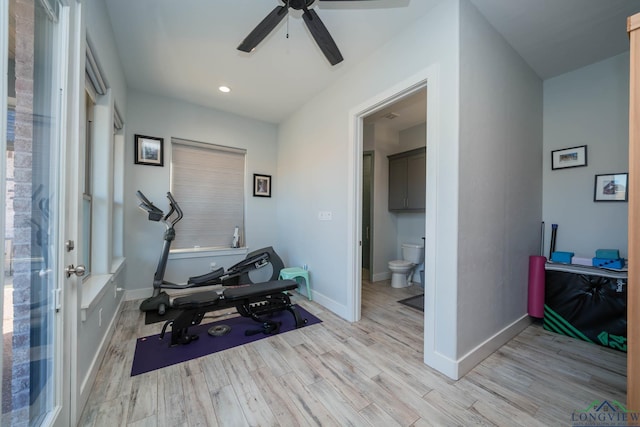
400, 263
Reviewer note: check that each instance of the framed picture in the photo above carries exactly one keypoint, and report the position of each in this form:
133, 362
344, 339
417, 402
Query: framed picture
149, 150
569, 157
261, 185
611, 188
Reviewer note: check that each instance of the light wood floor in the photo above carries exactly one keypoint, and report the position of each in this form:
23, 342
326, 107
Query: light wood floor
366, 373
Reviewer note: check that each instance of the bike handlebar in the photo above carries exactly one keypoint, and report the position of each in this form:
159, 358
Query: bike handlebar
156, 214
174, 207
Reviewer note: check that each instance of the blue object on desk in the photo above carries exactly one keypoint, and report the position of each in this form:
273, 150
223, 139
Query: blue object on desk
608, 263
562, 257
608, 254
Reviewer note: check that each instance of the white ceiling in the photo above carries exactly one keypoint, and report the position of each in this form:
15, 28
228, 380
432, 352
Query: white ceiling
185, 49
557, 36
402, 114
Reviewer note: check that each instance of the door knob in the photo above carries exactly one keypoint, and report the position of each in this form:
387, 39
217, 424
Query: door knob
78, 271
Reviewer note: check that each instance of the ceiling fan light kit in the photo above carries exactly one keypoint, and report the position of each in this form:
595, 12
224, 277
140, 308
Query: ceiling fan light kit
315, 25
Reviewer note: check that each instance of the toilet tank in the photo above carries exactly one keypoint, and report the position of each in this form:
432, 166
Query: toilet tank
413, 253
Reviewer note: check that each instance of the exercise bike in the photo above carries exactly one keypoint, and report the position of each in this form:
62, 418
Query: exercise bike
233, 276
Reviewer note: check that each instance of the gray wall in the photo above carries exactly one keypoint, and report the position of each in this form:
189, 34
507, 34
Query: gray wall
315, 172
166, 118
500, 203
91, 336
589, 106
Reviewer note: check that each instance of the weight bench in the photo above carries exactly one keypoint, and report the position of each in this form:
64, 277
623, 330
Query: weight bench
256, 301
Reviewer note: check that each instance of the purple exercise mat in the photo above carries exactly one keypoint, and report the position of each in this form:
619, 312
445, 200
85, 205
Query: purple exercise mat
153, 353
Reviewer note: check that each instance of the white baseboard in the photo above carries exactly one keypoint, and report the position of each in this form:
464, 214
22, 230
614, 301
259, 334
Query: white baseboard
379, 277
337, 308
135, 294
484, 350
441, 363
89, 379
456, 369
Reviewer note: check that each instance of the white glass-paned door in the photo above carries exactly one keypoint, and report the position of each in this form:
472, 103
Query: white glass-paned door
32, 324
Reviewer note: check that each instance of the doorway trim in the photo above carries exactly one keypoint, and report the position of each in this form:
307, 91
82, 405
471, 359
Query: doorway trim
428, 77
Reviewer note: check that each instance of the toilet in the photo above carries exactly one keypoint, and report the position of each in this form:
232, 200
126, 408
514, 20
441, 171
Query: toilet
401, 270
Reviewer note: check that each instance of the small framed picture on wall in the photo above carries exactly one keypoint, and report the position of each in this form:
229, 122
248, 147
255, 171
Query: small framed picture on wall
611, 188
569, 157
149, 150
261, 185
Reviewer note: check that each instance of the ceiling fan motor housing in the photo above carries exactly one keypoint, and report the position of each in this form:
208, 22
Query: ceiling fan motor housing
299, 4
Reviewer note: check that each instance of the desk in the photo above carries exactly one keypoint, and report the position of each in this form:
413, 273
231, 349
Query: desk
586, 303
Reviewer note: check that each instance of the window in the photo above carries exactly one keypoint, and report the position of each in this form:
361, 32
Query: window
117, 214
87, 200
103, 214
208, 182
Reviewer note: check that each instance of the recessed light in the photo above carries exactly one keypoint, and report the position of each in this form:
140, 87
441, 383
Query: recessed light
225, 89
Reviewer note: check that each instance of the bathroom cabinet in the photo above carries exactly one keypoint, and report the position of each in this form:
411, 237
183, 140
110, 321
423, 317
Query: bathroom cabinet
407, 180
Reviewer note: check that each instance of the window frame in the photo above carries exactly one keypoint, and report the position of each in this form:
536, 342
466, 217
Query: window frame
220, 238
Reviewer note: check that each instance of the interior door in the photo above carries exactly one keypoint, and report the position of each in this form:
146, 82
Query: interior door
367, 183
35, 386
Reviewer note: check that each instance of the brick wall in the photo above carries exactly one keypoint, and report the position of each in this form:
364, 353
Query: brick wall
22, 206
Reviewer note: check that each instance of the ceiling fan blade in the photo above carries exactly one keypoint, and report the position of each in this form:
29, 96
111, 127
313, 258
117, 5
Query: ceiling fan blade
263, 29
322, 37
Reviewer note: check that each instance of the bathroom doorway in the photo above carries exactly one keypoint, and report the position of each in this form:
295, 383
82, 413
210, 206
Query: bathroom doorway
399, 126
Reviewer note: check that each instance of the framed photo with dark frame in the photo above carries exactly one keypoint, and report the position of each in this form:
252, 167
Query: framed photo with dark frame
261, 185
569, 157
612, 187
149, 150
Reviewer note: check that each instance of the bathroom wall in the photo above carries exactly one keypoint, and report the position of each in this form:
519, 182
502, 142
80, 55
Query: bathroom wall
391, 229
410, 226
413, 137
385, 227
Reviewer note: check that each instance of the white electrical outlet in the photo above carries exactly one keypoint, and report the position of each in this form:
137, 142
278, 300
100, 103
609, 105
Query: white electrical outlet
325, 215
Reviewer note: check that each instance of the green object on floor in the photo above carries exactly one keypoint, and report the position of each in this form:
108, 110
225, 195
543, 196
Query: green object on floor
297, 273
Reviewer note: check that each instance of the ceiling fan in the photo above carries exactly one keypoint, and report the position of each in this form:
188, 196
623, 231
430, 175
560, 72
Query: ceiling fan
311, 19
